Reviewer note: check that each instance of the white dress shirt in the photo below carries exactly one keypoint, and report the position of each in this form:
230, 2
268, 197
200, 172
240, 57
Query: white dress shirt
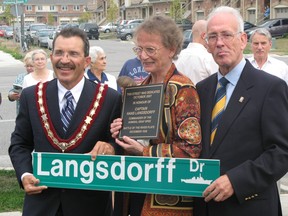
273, 66
196, 62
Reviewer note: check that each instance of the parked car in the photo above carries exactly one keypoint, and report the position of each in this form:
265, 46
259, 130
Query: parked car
109, 27
41, 37
32, 28
2, 29
126, 22
248, 25
187, 38
184, 24
126, 33
50, 40
91, 29
8, 32
71, 25
277, 27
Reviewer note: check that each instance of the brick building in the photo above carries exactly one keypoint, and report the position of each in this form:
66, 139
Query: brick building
69, 11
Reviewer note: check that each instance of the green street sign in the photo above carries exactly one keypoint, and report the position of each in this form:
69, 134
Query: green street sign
14, 1
170, 176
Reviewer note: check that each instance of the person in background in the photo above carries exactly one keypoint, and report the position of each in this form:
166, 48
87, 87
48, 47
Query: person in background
134, 69
41, 73
261, 43
84, 100
195, 61
97, 66
158, 41
125, 81
14, 94
248, 134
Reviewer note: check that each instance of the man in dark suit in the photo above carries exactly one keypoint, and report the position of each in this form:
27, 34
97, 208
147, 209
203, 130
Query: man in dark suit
251, 139
39, 128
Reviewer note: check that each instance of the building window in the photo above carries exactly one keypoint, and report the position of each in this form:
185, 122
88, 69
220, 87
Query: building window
28, 7
52, 8
39, 8
64, 8
76, 7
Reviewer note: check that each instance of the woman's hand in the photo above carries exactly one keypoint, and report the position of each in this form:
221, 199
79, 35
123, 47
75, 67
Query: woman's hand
115, 127
131, 146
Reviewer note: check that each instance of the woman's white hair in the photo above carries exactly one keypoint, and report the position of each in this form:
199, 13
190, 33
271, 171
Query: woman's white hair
94, 52
38, 51
228, 10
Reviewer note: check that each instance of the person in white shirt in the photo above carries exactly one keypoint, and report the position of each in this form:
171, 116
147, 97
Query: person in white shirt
41, 73
261, 43
195, 61
97, 66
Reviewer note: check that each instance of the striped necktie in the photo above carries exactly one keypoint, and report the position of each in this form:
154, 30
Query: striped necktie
67, 110
219, 106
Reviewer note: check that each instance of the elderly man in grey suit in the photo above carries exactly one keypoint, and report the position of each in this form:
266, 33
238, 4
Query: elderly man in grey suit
244, 125
68, 114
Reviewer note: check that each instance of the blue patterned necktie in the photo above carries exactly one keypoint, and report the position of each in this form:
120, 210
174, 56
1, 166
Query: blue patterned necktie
67, 110
219, 106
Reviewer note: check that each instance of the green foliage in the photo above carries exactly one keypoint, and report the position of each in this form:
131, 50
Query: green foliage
50, 19
85, 17
14, 51
7, 16
12, 196
176, 10
112, 11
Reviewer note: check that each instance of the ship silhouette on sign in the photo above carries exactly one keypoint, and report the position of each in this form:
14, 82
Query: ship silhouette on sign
197, 180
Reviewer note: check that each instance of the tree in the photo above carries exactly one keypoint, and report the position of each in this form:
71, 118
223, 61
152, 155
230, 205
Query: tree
50, 19
85, 17
112, 11
176, 10
6, 16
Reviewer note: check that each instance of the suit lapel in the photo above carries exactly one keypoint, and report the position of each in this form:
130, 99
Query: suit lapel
237, 102
206, 107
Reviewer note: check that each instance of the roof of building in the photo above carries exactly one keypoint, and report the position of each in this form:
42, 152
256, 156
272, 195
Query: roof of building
54, 2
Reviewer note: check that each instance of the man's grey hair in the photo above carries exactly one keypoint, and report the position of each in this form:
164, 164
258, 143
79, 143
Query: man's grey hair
229, 10
261, 31
94, 52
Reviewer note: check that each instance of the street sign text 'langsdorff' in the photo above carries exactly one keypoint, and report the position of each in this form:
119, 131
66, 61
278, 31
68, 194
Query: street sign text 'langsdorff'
173, 176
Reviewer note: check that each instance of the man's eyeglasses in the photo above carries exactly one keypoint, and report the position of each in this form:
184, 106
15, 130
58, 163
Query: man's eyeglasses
150, 51
226, 37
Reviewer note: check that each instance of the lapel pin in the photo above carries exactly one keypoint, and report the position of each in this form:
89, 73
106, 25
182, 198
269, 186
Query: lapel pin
241, 99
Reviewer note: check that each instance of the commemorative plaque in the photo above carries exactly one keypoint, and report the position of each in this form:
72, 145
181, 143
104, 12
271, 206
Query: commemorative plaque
142, 111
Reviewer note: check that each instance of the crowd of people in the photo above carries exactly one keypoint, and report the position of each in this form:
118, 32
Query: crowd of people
217, 105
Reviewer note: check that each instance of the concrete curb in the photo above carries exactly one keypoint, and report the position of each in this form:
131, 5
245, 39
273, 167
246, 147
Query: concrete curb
11, 214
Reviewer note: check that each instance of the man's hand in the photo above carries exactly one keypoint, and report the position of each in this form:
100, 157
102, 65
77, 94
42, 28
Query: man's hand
220, 190
29, 183
14, 96
102, 148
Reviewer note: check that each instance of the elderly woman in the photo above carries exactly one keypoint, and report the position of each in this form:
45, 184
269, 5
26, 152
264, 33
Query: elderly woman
14, 94
158, 42
97, 66
41, 73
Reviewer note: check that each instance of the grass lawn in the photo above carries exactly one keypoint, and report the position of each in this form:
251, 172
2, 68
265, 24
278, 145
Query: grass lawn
11, 198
